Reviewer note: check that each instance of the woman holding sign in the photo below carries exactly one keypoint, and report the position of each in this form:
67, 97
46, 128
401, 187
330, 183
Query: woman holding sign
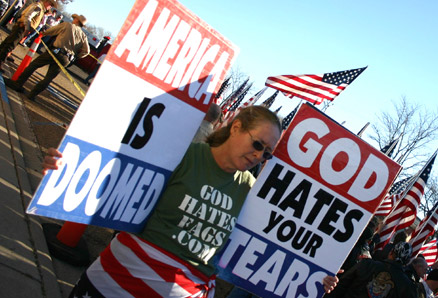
193, 219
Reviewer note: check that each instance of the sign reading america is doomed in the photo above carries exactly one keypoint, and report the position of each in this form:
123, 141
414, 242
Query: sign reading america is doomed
307, 209
137, 119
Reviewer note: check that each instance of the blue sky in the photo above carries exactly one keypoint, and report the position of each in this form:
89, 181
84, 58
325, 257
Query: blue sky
395, 39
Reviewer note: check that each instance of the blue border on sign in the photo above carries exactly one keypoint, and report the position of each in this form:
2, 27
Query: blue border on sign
130, 172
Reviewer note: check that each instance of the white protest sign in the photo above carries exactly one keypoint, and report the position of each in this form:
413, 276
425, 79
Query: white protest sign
307, 209
138, 118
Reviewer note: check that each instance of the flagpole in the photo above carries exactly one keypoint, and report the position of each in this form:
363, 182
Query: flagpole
418, 234
394, 143
391, 227
360, 133
412, 182
432, 211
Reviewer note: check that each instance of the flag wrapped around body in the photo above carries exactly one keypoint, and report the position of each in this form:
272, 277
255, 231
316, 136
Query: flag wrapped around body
404, 214
314, 88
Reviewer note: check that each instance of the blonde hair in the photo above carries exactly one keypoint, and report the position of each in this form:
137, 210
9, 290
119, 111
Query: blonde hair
250, 117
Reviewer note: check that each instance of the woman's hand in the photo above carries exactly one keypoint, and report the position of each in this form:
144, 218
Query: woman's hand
52, 160
330, 282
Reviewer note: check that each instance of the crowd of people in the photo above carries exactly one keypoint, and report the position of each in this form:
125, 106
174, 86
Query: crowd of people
389, 272
69, 42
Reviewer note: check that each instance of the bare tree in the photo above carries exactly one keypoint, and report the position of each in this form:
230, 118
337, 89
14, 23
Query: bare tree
430, 198
62, 4
237, 79
416, 128
99, 32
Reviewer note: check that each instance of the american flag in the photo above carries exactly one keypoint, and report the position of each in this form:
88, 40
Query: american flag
424, 230
404, 214
389, 149
229, 116
387, 204
288, 119
429, 251
239, 99
234, 95
270, 100
394, 195
224, 86
314, 88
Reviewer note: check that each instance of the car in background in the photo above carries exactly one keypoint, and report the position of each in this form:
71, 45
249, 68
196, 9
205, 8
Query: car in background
93, 40
88, 63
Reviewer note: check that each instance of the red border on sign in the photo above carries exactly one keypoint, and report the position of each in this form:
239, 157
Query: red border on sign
178, 10
337, 131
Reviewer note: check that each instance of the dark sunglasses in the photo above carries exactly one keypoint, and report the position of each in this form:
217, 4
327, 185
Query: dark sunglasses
257, 145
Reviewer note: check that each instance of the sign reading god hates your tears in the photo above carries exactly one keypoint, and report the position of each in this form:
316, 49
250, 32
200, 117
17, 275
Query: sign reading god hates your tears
307, 209
137, 119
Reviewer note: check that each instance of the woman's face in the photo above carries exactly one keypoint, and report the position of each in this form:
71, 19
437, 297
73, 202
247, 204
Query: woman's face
243, 156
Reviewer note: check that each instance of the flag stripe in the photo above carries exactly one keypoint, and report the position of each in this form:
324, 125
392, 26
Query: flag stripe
309, 84
297, 90
404, 214
314, 88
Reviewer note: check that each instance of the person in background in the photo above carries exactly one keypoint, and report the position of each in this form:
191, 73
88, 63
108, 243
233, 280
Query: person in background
48, 40
416, 270
28, 21
3, 7
70, 42
96, 68
16, 10
207, 124
430, 285
383, 279
33, 35
382, 254
361, 249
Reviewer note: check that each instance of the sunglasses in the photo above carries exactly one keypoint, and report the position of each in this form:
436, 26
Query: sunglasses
257, 145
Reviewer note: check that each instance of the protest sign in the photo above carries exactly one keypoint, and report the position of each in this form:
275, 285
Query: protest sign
307, 209
137, 119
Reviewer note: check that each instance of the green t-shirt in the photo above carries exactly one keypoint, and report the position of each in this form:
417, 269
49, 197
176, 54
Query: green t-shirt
198, 209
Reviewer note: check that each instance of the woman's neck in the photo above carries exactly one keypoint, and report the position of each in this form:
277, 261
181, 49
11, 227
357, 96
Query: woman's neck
220, 155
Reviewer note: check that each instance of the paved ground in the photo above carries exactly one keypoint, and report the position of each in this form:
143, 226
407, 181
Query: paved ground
27, 267
27, 129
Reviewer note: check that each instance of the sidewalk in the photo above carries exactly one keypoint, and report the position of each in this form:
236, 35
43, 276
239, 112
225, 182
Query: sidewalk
26, 268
